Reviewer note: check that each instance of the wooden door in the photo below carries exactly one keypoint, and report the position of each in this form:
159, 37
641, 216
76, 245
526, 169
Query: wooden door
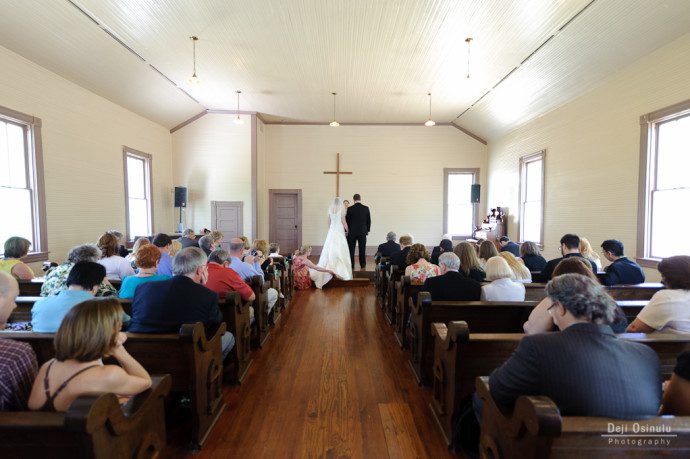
227, 218
285, 219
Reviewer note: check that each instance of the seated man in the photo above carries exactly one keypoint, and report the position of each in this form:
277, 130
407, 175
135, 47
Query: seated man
585, 369
570, 247
18, 366
188, 239
164, 244
622, 270
399, 259
451, 285
164, 306
389, 247
82, 283
509, 246
250, 267
223, 279
207, 244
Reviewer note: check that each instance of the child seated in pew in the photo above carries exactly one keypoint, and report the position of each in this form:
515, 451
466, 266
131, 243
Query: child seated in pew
540, 321
89, 332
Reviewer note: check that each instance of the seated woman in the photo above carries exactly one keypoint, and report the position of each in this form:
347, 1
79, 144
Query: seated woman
15, 249
540, 321
589, 253
446, 245
469, 263
147, 260
419, 267
301, 266
261, 245
116, 267
669, 309
531, 256
487, 249
121, 249
89, 332
502, 286
56, 278
676, 398
139, 243
518, 267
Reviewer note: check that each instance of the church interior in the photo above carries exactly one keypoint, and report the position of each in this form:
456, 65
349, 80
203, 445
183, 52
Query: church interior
153, 116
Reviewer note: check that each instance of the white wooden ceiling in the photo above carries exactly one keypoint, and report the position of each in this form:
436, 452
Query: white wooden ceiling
380, 56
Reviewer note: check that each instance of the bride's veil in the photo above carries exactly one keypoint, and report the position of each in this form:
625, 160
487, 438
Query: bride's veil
336, 207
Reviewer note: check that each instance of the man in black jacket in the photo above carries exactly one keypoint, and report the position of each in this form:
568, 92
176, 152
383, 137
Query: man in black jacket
164, 306
622, 270
570, 247
358, 226
451, 285
389, 247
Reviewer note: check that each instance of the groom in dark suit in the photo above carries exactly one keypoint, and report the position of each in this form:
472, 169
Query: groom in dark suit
358, 224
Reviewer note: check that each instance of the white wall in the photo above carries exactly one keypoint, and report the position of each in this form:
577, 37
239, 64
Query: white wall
398, 170
592, 151
212, 158
83, 135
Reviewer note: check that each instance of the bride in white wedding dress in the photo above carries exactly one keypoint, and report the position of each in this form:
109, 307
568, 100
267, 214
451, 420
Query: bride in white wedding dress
336, 253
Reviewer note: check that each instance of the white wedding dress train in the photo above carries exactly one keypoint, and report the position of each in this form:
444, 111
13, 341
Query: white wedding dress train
335, 254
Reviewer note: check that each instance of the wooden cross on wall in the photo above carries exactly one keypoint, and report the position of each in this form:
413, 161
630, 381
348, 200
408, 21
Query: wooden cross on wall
337, 173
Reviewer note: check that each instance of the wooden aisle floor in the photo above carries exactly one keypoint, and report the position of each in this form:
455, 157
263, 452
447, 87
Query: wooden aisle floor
330, 382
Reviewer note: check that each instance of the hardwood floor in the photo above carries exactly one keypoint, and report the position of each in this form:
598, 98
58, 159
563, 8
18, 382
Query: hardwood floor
330, 382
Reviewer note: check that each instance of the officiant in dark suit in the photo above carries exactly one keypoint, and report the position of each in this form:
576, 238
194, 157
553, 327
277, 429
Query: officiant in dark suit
358, 224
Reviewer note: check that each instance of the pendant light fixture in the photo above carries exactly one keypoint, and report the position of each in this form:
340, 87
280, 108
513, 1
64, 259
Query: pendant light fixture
468, 40
334, 123
429, 122
194, 79
238, 120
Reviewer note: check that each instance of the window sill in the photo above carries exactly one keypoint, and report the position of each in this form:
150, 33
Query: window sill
35, 257
648, 262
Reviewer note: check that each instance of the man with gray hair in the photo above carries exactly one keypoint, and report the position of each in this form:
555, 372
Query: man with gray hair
207, 244
56, 278
18, 364
389, 247
188, 239
250, 267
164, 306
451, 285
585, 369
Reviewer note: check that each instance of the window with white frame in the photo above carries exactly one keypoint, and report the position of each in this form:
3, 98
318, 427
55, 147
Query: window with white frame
138, 205
459, 214
21, 182
665, 183
532, 198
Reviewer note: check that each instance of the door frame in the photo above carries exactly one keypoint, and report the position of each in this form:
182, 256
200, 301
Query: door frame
271, 214
241, 216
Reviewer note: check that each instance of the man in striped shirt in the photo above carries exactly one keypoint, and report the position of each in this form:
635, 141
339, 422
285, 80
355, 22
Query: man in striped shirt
18, 364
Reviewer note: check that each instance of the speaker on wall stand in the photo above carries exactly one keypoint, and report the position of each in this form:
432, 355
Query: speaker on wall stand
180, 201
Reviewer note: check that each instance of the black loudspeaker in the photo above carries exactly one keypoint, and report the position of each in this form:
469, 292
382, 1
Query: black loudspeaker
180, 196
476, 190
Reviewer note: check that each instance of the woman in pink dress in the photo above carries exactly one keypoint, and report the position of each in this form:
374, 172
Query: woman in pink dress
301, 266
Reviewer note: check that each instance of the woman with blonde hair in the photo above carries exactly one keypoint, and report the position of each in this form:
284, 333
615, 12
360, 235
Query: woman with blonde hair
469, 263
89, 332
487, 249
502, 287
589, 253
301, 264
116, 267
520, 271
419, 268
139, 243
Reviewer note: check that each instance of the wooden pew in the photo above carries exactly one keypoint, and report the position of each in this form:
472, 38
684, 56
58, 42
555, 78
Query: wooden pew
535, 292
405, 294
460, 357
380, 270
33, 287
194, 363
393, 277
535, 428
262, 318
94, 426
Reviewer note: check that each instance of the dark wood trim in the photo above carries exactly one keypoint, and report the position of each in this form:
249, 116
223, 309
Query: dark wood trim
148, 160
258, 115
523, 161
477, 176
33, 140
241, 213
469, 133
271, 214
189, 121
672, 111
254, 179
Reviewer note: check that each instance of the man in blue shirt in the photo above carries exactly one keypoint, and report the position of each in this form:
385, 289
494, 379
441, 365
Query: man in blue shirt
622, 270
164, 244
82, 283
250, 267
509, 246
